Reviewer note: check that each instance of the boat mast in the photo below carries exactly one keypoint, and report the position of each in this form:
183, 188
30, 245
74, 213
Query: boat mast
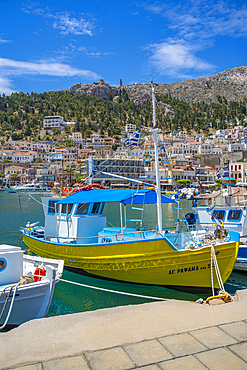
157, 188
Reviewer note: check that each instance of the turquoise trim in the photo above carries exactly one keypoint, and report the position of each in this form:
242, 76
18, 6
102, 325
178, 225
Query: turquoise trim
101, 244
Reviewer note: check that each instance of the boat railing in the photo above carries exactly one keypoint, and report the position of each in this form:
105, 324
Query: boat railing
118, 236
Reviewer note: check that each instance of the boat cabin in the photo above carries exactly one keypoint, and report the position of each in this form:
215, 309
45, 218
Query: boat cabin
79, 218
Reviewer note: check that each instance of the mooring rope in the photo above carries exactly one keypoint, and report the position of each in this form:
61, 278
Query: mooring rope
114, 291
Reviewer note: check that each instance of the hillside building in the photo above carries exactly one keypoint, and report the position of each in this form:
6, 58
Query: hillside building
51, 122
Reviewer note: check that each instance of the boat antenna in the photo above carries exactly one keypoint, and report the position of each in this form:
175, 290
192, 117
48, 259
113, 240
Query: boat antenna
155, 131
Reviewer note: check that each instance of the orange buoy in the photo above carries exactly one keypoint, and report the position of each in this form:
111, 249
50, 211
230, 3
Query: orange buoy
38, 274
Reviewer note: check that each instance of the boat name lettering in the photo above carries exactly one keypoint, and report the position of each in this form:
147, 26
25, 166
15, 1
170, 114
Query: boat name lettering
188, 269
106, 240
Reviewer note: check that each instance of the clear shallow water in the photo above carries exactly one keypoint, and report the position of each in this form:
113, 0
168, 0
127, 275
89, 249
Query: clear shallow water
16, 210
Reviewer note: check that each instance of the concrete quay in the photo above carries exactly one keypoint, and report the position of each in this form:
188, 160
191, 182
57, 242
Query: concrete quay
152, 336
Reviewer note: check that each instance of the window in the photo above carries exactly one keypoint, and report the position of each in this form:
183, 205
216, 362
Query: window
95, 208
70, 207
64, 207
82, 209
52, 206
218, 214
234, 215
67, 208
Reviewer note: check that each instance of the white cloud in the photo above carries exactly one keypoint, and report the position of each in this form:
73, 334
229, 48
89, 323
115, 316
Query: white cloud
203, 19
9, 69
177, 58
12, 67
67, 24
2, 41
92, 52
6, 86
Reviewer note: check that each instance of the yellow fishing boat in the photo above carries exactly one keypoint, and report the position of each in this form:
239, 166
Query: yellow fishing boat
75, 231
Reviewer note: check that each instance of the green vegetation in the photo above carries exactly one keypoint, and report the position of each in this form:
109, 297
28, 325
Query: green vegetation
201, 117
21, 115
184, 181
218, 182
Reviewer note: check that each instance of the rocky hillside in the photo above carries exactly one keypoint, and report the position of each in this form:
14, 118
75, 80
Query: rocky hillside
231, 84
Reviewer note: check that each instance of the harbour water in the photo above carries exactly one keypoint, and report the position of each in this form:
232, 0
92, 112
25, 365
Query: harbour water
16, 210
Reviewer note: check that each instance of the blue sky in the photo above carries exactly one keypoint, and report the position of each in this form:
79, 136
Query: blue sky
51, 45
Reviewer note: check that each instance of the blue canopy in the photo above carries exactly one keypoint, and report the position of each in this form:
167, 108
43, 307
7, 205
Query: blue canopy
126, 196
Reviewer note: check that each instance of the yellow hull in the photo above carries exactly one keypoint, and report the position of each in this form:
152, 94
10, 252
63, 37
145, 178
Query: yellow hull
145, 262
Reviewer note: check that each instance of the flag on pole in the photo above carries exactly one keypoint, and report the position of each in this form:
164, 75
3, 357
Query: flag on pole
133, 140
223, 172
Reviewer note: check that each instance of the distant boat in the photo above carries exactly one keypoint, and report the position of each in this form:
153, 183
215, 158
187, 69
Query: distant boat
26, 285
29, 188
224, 209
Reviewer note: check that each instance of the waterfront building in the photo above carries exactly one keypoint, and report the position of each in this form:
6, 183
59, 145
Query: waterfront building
130, 168
45, 174
237, 171
20, 171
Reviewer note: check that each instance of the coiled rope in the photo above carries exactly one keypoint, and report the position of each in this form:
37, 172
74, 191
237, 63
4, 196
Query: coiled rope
114, 291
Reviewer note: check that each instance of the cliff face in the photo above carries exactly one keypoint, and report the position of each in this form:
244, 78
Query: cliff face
99, 90
232, 84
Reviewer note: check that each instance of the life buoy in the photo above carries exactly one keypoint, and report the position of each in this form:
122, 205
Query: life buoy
93, 186
38, 274
75, 191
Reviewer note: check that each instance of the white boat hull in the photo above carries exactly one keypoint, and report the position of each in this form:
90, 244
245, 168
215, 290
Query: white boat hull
21, 303
32, 301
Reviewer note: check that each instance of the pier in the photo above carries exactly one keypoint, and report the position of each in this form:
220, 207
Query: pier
152, 336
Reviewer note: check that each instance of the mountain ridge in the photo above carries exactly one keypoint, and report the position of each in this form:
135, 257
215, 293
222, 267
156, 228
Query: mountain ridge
231, 84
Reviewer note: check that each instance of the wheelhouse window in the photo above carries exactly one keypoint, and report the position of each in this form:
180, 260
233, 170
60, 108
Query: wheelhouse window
95, 208
234, 215
82, 209
70, 207
218, 214
52, 206
67, 208
102, 208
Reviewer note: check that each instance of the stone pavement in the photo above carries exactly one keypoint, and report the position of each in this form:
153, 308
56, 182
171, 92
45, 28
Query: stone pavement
162, 335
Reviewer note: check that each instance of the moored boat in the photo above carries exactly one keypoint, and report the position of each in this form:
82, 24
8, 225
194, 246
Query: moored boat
225, 209
32, 188
26, 285
75, 231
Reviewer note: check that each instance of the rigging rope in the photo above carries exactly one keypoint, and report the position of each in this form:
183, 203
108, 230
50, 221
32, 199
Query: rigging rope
113, 291
11, 304
214, 263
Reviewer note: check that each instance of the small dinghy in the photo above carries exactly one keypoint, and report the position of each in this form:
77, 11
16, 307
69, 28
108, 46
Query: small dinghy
26, 285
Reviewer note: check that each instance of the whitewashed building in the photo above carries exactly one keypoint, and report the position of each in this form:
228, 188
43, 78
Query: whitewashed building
51, 122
